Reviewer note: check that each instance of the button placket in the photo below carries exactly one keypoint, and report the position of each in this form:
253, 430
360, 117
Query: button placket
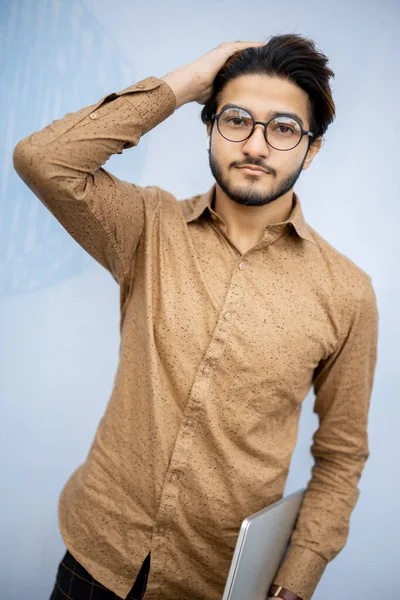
206, 370
193, 411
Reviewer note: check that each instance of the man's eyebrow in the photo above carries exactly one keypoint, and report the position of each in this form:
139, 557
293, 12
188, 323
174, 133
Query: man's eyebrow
272, 114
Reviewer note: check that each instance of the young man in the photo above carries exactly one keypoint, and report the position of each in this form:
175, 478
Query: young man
232, 307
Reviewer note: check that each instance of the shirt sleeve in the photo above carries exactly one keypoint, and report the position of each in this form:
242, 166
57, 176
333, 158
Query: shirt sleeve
343, 385
62, 165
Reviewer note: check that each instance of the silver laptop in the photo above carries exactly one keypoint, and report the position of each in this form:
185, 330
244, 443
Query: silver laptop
260, 548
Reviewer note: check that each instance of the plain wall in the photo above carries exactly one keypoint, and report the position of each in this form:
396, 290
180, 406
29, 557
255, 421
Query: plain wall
59, 309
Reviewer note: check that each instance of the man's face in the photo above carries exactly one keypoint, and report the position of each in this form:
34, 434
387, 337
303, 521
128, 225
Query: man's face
261, 96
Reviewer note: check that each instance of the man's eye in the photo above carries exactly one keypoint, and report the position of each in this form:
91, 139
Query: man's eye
285, 129
236, 121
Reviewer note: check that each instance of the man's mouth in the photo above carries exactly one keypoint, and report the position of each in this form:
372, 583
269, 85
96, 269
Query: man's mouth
253, 170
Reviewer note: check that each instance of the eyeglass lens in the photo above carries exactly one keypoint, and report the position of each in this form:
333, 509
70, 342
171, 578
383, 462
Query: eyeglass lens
235, 125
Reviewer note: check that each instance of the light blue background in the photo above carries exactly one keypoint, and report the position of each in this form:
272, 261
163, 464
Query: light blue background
59, 309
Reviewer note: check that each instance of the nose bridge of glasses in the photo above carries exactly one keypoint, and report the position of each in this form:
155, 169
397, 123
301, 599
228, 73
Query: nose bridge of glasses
263, 126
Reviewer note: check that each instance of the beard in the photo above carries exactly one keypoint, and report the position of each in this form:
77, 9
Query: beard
251, 196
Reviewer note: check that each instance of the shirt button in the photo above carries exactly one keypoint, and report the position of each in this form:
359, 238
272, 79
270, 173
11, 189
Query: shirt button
140, 86
242, 265
160, 529
227, 316
206, 369
174, 477
188, 422
93, 115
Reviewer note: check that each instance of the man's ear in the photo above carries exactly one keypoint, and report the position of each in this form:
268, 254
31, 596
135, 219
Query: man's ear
312, 152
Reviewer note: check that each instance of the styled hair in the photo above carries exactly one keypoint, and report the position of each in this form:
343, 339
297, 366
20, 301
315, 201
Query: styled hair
290, 57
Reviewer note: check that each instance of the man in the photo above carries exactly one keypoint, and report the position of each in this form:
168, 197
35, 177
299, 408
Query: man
232, 307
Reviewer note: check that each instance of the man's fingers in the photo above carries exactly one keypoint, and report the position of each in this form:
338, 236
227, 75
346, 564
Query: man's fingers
232, 47
248, 44
251, 43
240, 44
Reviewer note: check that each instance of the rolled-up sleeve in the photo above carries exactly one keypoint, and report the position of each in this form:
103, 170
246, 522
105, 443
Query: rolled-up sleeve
343, 386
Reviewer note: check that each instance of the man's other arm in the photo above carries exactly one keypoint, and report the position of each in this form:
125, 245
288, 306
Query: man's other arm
343, 385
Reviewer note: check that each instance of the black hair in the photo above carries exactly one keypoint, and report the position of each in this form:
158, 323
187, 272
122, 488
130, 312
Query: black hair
288, 56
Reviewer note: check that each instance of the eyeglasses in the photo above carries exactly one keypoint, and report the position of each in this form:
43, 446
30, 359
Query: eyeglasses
282, 132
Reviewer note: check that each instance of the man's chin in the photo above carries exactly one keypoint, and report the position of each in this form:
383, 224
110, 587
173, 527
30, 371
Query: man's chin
243, 193
246, 198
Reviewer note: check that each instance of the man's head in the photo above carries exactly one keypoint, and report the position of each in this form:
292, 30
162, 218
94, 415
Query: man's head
287, 76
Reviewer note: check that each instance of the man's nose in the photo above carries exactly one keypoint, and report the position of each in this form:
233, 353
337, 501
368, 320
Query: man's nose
256, 144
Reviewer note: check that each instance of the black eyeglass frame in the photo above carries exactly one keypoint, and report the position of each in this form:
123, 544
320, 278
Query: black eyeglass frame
303, 131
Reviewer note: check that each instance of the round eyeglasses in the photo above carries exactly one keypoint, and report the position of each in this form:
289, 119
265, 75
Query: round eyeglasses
281, 132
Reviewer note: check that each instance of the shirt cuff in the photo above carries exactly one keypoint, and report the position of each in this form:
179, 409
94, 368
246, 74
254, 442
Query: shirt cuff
300, 571
153, 99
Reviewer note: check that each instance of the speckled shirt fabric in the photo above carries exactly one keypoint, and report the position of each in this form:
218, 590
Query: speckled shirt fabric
218, 351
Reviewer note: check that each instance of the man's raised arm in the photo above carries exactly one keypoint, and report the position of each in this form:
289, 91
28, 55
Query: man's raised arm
62, 163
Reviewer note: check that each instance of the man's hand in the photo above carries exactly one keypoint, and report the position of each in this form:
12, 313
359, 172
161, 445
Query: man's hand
193, 82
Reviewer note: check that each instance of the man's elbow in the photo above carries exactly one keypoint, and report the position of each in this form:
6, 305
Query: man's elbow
24, 160
34, 168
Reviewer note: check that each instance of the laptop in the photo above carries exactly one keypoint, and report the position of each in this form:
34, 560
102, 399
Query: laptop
260, 548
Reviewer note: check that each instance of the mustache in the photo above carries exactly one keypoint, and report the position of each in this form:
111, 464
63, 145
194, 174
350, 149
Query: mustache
253, 163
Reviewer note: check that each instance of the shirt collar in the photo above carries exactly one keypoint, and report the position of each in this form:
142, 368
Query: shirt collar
197, 205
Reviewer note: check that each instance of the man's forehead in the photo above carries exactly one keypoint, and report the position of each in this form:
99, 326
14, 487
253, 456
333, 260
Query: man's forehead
265, 96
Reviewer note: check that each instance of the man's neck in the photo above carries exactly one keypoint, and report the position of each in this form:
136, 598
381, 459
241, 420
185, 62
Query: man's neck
246, 224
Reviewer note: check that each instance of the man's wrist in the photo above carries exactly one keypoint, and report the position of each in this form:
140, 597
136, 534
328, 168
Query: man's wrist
277, 591
183, 84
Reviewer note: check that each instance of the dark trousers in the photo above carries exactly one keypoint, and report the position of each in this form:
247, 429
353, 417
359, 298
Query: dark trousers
73, 582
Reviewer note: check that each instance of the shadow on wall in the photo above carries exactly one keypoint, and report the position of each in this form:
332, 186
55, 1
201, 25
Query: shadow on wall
56, 58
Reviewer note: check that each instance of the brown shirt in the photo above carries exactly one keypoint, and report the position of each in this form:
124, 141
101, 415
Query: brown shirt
218, 351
